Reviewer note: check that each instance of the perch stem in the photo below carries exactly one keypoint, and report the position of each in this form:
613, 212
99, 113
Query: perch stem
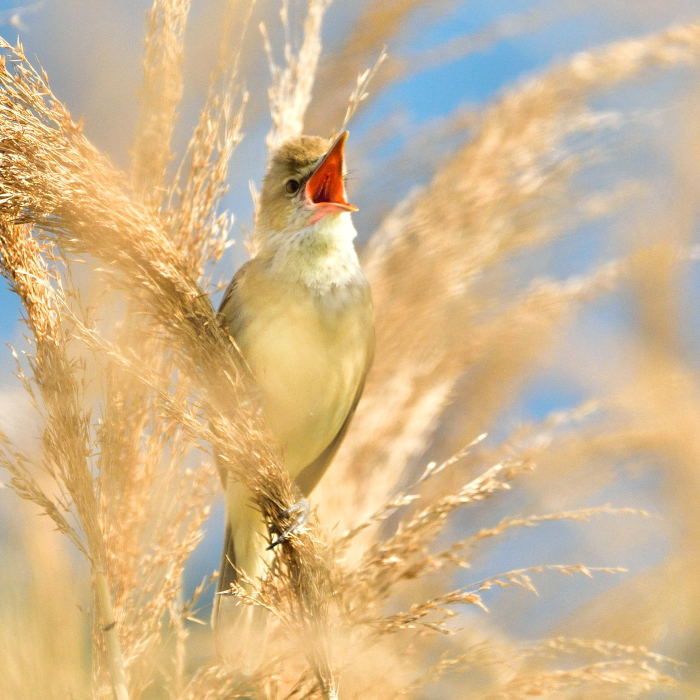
115, 659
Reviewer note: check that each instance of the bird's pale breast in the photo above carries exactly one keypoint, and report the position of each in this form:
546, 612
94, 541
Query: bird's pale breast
309, 356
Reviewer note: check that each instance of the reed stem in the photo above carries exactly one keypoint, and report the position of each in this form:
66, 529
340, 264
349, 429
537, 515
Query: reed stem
115, 658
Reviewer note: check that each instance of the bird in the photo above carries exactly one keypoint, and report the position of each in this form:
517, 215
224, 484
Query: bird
301, 314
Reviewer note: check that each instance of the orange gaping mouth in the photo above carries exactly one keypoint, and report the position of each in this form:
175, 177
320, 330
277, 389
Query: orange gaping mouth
325, 188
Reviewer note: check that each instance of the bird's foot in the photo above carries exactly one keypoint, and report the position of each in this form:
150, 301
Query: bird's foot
298, 513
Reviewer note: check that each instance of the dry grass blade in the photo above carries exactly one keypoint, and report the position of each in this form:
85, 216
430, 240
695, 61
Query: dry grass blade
393, 559
438, 608
360, 92
454, 555
406, 497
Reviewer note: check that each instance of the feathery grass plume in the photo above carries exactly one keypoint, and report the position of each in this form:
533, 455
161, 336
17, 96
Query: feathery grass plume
425, 279
292, 83
140, 396
127, 472
361, 90
56, 180
194, 221
161, 94
140, 464
65, 436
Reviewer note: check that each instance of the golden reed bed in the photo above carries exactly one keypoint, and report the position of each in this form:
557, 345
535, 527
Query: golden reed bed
134, 384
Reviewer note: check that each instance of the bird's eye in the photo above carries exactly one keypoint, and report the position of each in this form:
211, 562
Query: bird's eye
292, 186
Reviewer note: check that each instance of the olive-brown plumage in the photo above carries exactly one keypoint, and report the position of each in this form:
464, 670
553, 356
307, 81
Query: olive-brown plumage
301, 313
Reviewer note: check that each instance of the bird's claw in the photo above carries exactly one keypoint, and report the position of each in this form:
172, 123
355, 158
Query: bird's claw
299, 512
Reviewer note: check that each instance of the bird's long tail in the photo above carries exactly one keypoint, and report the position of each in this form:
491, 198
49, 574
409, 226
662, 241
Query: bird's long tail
240, 628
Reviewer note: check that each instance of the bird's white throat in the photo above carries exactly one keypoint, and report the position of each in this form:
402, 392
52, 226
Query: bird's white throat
321, 256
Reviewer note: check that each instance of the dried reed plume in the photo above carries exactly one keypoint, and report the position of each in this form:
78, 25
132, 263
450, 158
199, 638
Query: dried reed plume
138, 390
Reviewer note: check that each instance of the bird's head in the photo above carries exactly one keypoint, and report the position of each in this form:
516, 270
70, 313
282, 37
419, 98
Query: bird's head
304, 184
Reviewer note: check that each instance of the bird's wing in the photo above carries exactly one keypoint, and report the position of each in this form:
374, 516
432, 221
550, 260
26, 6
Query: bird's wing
310, 475
230, 309
231, 315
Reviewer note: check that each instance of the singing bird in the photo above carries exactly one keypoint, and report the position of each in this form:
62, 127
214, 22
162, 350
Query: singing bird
301, 313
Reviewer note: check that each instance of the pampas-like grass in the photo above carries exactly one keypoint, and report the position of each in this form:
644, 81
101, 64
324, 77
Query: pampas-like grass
136, 407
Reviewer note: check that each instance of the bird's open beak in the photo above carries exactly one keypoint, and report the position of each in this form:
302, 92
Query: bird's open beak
325, 188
